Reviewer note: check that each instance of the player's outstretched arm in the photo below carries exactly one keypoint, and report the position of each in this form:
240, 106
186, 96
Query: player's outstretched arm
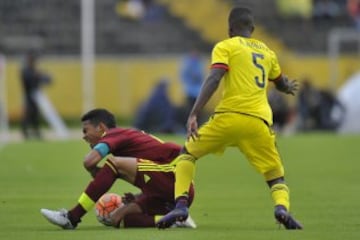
207, 90
283, 84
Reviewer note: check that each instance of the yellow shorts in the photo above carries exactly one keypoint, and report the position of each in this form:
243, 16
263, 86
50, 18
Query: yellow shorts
253, 137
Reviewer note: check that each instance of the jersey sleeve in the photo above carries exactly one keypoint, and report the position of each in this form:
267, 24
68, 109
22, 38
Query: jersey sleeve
115, 142
220, 56
275, 70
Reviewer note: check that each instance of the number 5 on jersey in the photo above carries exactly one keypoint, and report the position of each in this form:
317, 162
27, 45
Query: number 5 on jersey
255, 57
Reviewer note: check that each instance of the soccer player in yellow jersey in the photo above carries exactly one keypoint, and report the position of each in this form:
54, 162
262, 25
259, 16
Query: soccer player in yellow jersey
242, 119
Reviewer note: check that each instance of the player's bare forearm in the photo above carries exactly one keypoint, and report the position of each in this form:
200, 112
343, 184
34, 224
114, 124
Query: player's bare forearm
90, 162
283, 84
207, 90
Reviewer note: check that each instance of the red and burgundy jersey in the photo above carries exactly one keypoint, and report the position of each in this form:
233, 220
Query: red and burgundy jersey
127, 142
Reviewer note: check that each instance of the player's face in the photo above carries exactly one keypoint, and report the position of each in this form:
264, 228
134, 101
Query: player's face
91, 133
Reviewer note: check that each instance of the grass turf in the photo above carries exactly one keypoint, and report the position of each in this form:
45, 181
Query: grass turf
232, 200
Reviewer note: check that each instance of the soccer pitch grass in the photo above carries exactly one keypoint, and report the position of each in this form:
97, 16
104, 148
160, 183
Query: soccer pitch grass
232, 201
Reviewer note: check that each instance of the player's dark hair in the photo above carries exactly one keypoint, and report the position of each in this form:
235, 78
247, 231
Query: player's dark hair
240, 18
100, 115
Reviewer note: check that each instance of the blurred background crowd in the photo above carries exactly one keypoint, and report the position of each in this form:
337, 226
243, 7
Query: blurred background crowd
151, 56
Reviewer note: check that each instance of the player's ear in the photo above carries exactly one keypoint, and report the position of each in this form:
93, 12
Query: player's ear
101, 127
98, 128
252, 29
230, 32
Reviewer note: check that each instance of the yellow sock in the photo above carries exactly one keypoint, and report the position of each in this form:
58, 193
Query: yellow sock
280, 195
184, 174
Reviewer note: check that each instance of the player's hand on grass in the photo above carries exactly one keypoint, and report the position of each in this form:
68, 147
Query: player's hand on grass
192, 127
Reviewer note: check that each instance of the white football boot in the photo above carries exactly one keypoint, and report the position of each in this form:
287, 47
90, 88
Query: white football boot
59, 218
188, 223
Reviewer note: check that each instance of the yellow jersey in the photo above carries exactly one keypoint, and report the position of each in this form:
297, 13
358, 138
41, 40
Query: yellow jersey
250, 64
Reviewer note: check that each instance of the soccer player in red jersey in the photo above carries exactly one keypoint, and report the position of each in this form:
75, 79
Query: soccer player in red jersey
156, 182
100, 131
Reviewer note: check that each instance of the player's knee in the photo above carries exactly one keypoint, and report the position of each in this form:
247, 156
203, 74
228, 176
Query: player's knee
123, 166
121, 162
